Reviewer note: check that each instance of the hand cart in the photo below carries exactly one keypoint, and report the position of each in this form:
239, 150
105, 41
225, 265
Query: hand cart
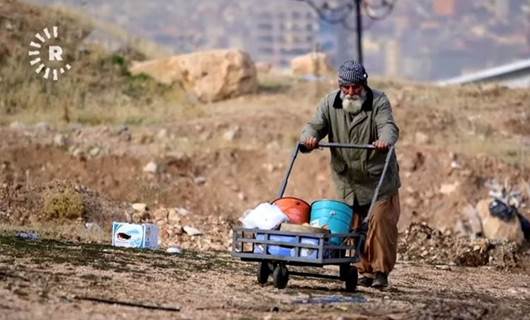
274, 250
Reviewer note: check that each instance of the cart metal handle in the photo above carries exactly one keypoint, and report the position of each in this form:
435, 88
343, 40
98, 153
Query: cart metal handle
320, 145
347, 146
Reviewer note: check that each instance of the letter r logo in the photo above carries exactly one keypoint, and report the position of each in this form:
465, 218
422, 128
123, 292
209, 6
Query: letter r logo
55, 53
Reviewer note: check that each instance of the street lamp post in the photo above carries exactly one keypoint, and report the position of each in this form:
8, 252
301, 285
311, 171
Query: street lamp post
358, 20
339, 12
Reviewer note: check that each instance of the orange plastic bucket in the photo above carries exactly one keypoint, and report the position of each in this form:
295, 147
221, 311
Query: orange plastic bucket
296, 209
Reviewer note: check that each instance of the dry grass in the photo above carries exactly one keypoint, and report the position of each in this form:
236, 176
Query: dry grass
63, 205
98, 89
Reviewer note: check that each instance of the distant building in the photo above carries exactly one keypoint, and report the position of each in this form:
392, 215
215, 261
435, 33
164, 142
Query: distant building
281, 32
513, 75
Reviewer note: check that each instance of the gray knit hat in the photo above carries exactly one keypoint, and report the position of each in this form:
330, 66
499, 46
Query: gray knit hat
351, 72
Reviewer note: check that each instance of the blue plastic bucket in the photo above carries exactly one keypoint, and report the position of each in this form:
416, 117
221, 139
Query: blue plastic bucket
335, 214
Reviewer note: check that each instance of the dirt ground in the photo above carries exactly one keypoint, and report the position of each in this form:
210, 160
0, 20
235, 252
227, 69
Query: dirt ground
67, 280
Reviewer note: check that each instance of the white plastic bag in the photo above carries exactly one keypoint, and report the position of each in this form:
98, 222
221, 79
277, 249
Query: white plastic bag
265, 216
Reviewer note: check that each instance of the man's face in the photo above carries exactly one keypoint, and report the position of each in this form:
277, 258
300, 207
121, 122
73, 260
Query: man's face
353, 97
351, 90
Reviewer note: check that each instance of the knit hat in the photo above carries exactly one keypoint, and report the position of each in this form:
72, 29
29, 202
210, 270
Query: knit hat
351, 72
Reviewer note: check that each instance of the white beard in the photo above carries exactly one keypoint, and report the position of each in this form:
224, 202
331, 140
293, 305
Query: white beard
353, 104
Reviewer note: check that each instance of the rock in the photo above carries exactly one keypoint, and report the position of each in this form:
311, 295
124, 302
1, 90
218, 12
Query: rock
209, 75
242, 196
78, 153
59, 140
139, 216
140, 207
182, 211
162, 134
199, 180
94, 152
421, 138
173, 217
497, 229
448, 188
160, 215
312, 64
17, 125
191, 231
174, 250
232, 134
443, 267
151, 167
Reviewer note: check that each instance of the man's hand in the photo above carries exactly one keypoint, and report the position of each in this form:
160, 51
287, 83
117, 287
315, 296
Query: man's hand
311, 143
381, 145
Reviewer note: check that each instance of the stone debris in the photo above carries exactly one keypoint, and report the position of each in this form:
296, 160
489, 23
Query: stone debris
162, 134
448, 188
174, 250
151, 167
312, 64
199, 180
59, 140
95, 151
421, 243
232, 134
141, 207
191, 231
182, 211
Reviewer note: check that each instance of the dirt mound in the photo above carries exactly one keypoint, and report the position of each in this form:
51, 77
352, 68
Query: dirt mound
57, 202
421, 243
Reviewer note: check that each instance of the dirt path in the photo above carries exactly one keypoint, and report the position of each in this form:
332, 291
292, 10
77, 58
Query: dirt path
61, 280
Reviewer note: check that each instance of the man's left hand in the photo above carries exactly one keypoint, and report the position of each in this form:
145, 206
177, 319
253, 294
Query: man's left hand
381, 145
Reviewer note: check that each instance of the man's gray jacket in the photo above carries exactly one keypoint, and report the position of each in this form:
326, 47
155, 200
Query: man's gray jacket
357, 171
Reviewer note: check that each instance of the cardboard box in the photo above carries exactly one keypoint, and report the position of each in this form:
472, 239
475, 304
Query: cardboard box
131, 235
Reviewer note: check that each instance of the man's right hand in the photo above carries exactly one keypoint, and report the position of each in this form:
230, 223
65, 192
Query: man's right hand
311, 143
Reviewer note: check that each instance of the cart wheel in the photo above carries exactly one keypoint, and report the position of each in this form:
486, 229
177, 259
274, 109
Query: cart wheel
280, 276
351, 279
264, 271
344, 271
